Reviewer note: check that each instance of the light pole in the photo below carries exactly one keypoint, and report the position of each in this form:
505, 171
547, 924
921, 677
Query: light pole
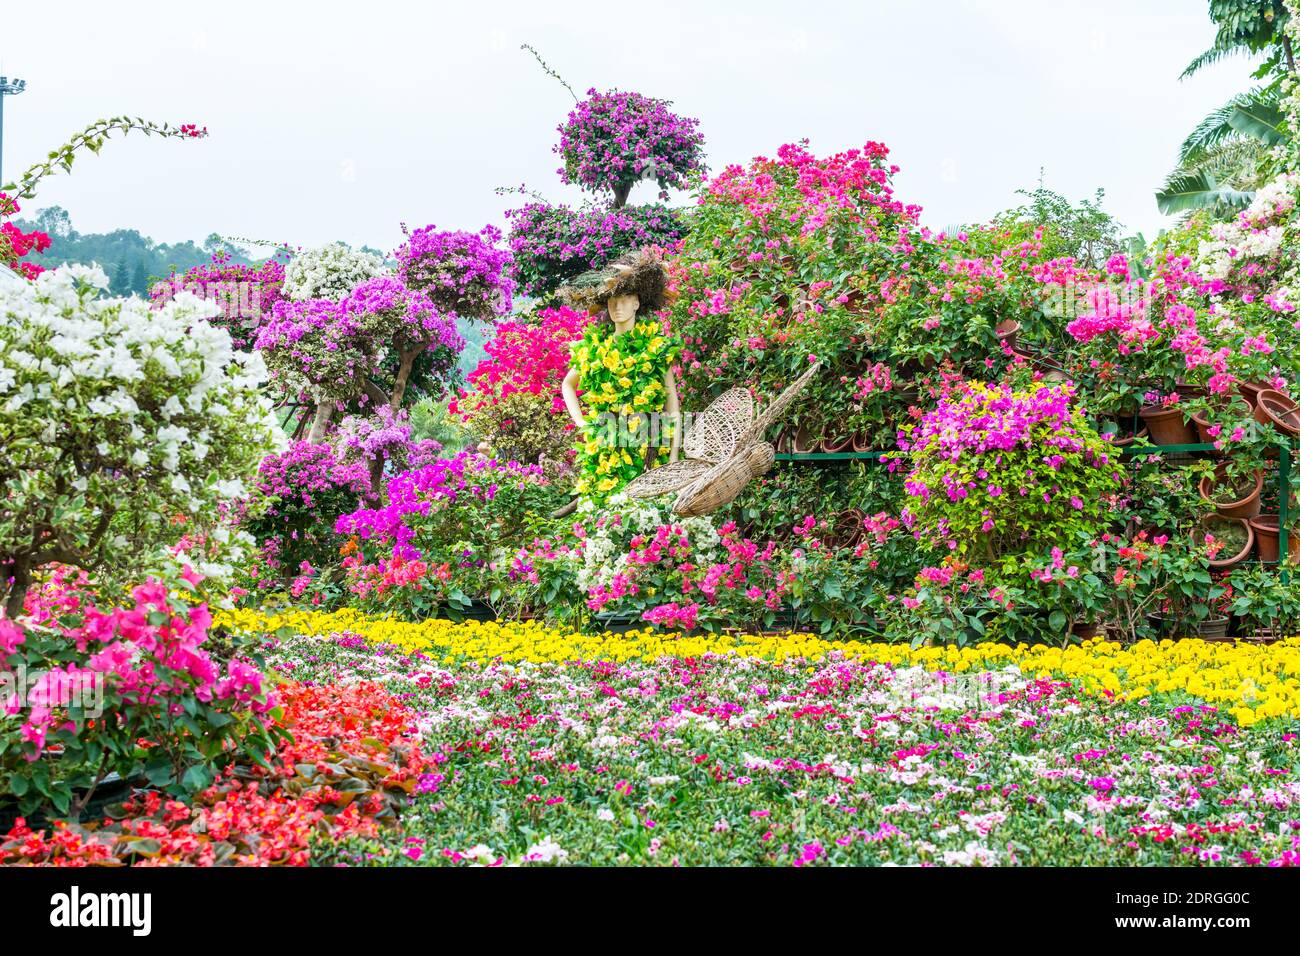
8, 87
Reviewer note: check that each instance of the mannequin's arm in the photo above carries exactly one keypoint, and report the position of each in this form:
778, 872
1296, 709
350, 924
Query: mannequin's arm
569, 389
672, 408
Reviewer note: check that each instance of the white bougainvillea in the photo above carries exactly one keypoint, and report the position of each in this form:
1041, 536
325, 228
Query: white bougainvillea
328, 272
123, 427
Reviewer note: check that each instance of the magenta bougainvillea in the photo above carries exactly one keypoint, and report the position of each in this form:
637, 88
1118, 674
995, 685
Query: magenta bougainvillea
529, 357
553, 244
14, 243
463, 273
614, 139
246, 294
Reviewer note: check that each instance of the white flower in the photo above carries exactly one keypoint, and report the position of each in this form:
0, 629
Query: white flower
547, 851
605, 814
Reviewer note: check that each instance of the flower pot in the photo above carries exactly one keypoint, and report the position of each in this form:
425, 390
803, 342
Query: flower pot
1274, 408
1168, 426
1268, 540
833, 446
803, 442
1006, 331
1203, 422
1250, 391
1224, 559
1213, 629
1121, 436
1244, 501
1084, 630
861, 442
783, 441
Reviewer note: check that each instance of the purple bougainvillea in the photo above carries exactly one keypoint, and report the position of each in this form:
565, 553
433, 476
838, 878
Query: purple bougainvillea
612, 140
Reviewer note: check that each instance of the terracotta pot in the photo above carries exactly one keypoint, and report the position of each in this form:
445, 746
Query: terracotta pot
861, 442
1168, 426
1203, 422
1006, 331
803, 442
1242, 506
1268, 540
1250, 391
782, 442
832, 446
1276, 409
1084, 630
1122, 437
1225, 561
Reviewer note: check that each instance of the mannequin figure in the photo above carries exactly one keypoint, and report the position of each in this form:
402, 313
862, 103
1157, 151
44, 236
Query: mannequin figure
623, 367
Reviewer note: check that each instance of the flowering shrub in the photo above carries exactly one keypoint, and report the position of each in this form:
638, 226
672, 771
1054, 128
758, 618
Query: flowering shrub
513, 401
246, 294
613, 140
996, 472
445, 534
116, 418
553, 244
131, 691
462, 273
351, 763
779, 266
14, 243
305, 489
330, 271
370, 347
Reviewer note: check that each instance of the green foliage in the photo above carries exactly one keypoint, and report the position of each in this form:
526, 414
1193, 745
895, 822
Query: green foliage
132, 260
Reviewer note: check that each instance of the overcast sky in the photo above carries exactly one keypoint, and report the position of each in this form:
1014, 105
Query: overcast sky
342, 120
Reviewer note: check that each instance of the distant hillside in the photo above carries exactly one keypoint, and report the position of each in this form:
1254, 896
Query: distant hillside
131, 260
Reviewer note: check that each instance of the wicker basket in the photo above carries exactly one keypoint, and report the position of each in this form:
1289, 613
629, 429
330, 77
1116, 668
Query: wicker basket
724, 483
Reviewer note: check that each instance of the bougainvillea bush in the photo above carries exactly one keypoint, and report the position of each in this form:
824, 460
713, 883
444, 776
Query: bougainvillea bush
365, 350
134, 691
463, 273
330, 271
996, 472
445, 534
778, 268
512, 400
245, 294
118, 422
613, 140
552, 244
301, 493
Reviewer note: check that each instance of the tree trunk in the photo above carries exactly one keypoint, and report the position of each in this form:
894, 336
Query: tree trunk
21, 579
318, 425
621, 192
403, 374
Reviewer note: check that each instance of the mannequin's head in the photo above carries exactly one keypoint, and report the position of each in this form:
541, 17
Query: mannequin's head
623, 308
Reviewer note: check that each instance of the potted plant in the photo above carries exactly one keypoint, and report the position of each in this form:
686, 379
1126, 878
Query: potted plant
1234, 488
1267, 608
1274, 408
1228, 541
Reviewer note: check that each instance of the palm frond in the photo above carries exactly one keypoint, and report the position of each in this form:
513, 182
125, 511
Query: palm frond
1253, 113
1193, 190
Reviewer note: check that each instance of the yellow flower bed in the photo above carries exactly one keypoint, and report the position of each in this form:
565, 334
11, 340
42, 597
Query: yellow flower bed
1252, 681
